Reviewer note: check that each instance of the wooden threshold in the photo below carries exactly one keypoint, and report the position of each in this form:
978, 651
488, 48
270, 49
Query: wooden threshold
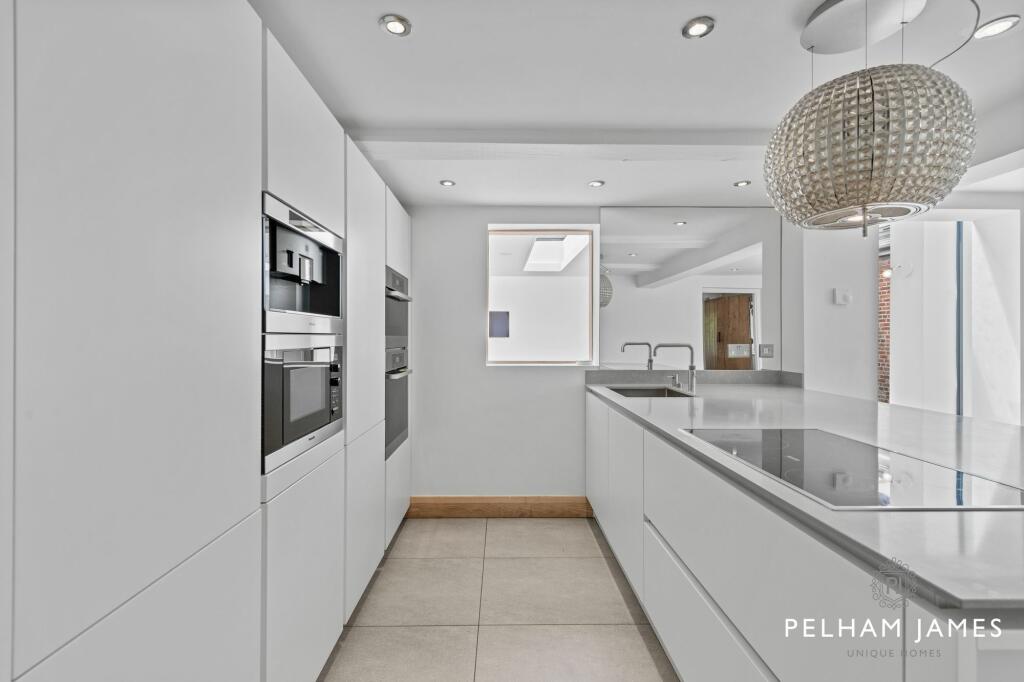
496, 507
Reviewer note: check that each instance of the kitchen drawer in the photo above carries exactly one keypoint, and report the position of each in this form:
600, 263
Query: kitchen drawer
762, 569
700, 641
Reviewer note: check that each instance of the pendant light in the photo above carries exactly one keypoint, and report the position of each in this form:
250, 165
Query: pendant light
875, 146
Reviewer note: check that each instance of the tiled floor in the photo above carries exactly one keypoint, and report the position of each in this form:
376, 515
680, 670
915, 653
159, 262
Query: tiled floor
498, 599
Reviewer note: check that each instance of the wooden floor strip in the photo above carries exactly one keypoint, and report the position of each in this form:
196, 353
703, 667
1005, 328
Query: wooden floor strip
512, 506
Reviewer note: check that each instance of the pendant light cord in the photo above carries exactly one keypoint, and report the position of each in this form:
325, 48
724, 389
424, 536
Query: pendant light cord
977, 20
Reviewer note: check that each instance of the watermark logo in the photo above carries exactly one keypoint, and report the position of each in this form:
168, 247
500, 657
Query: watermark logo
893, 583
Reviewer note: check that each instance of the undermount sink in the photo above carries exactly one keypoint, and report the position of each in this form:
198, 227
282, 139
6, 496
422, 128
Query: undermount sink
649, 392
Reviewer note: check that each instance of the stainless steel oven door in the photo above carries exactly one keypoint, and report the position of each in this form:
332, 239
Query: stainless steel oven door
301, 394
396, 400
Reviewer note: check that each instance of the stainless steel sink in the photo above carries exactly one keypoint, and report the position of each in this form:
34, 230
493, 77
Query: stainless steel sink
649, 392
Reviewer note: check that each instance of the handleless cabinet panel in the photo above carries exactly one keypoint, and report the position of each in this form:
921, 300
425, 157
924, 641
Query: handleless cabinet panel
625, 505
399, 486
364, 342
597, 455
761, 569
699, 640
199, 622
305, 144
305, 565
364, 513
137, 304
399, 247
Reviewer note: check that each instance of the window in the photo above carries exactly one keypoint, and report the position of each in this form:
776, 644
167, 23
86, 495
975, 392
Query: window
541, 296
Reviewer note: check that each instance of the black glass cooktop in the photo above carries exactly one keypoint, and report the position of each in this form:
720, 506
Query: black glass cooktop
845, 473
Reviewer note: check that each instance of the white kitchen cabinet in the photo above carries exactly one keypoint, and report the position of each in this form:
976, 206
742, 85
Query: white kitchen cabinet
364, 513
305, 144
137, 328
625, 504
597, 455
761, 568
199, 622
699, 640
398, 478
399, 241
364, 342
305, 600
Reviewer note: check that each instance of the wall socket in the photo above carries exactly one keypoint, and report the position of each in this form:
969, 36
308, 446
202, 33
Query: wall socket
766, 350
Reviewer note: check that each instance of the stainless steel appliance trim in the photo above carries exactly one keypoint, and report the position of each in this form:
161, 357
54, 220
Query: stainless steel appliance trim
401, 374
296, 448
285, 322
302, 223
390, 447
397, 295
301, 341
396, 342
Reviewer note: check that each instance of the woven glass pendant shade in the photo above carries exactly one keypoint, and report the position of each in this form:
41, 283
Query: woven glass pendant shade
606, 290
870, 147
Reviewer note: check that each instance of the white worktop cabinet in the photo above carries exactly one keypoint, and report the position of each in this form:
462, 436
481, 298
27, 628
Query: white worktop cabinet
364, 513
364, 342
398, 480
137, 325
399, 241
305, 563
305, 144
625, 504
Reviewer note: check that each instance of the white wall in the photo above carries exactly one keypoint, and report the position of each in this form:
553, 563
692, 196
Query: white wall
548, 319
6, 330
479, 430
922, 327
992, 344
840, 341
791, 287
670, 313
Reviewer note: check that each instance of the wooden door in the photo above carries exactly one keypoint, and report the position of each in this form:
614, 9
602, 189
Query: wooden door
727, 321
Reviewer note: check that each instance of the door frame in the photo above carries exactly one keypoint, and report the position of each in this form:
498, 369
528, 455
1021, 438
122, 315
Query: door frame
755, 333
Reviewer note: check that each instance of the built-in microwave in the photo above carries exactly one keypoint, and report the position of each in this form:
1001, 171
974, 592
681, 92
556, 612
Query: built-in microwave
302, 393
396, 309
303, 272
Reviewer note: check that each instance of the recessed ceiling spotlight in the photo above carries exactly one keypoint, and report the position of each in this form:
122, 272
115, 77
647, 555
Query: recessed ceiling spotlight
997, 26
595, 183
395, 24
631, 254
680, 223
741, 183
734, 269
447, 183
698, 27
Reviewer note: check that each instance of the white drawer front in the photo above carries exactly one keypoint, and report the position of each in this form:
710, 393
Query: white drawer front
762, 569
701, 645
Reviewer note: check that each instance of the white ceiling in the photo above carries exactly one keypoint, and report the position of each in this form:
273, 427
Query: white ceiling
521, 103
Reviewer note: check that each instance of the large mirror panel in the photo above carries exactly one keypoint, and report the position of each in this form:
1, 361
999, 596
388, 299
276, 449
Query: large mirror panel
707, 277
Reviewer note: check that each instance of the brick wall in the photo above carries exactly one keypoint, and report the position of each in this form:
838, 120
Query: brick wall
884, 310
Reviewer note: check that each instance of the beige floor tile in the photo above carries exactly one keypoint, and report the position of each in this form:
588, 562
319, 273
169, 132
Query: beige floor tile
436, 538
423, 592
400, 654
562, 653
553, 591
542, 538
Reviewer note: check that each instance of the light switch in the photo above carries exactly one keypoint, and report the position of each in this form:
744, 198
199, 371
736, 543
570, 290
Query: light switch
842, 296
766, 350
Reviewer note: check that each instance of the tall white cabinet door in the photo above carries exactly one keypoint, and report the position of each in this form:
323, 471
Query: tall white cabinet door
364, 513
138, 300
199, 622
597, 455
626, 497
399, 246
305, 144
398, 479
364, 343
305, 607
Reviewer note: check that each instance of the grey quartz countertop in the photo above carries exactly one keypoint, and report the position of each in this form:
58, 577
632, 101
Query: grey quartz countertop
970, 559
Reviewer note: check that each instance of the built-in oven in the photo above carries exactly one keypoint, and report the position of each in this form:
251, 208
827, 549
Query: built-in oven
396, 399
303, 272
302, 393
396, 309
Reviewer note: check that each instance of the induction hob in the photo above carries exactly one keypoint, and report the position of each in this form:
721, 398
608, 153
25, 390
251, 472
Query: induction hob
847, 474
